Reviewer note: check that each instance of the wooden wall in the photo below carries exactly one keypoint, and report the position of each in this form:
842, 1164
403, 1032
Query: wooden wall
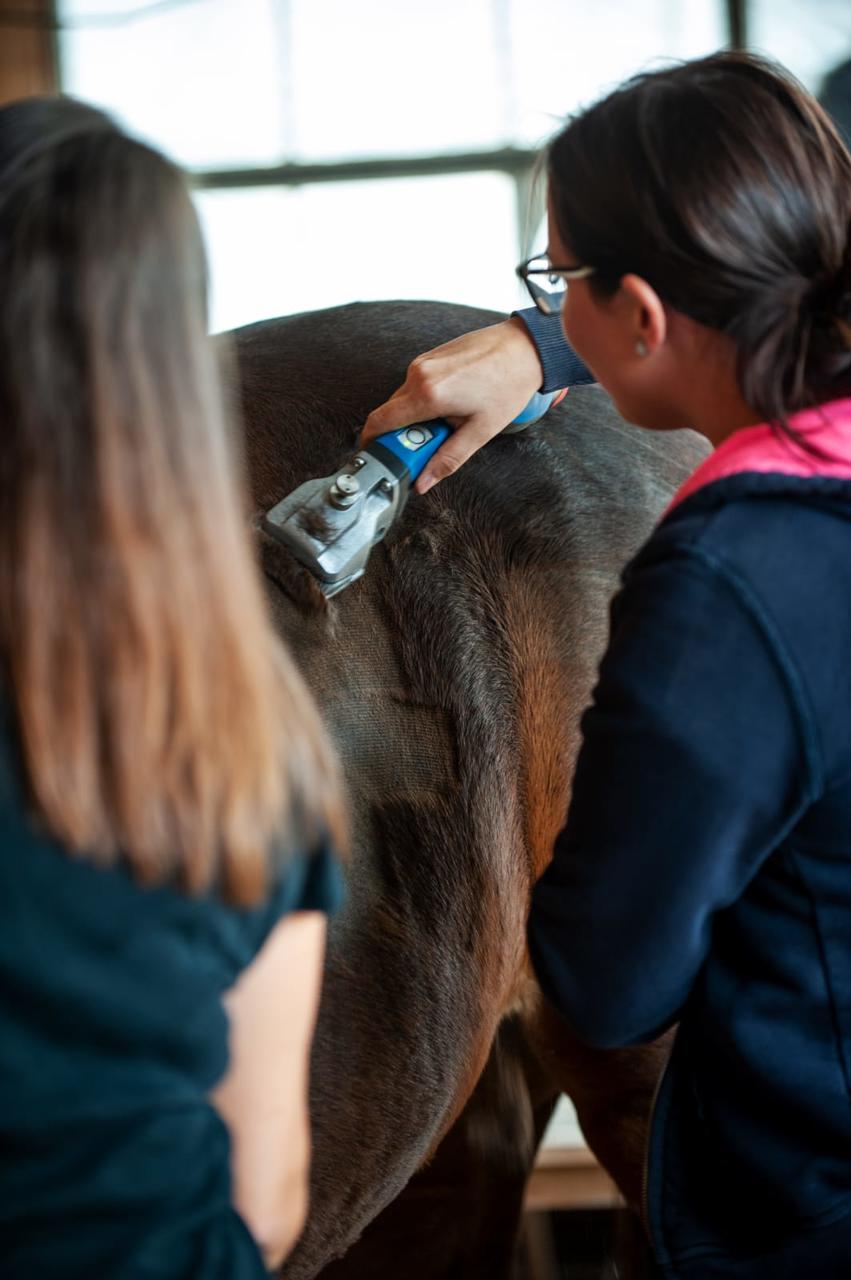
27, 50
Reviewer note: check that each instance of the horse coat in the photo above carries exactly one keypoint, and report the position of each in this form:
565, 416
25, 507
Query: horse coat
452, 678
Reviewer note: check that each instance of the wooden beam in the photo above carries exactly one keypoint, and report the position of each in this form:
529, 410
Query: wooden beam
569, 1178
27, 49
737, 24
512, 160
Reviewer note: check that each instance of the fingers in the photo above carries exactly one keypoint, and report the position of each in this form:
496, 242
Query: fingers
395, 412
460, 446
417, 400
476, 382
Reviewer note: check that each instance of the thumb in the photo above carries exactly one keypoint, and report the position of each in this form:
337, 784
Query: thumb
466, 440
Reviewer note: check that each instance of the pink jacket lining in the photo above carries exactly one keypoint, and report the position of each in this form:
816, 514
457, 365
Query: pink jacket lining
761, 448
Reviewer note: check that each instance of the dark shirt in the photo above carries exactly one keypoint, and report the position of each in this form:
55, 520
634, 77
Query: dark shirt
704, 874
113, 1163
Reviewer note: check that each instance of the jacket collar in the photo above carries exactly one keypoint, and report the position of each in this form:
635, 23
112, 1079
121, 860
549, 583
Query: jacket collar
763, 451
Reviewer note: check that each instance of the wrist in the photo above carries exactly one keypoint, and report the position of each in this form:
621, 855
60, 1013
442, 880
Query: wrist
524, 352
561, 365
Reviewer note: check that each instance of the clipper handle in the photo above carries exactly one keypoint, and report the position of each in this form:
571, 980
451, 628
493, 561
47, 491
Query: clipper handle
414, 446
536, 408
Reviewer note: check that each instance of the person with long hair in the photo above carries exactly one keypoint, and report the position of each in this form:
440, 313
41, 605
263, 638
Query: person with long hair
699, 258
168, 799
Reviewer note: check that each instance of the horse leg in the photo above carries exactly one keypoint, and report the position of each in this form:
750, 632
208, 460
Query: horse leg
459, 1216
612, 1090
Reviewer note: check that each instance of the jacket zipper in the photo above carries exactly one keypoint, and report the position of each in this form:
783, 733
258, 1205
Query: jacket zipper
645, 1172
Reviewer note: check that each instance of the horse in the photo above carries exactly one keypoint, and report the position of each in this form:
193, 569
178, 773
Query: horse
452, 678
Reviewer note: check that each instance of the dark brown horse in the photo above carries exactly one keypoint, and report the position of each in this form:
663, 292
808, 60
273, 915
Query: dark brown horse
452, 678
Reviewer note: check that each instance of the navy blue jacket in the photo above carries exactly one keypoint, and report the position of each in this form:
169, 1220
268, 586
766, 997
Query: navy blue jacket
561, 365
704, 873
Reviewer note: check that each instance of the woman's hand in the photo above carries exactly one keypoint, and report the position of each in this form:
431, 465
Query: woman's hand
477, 382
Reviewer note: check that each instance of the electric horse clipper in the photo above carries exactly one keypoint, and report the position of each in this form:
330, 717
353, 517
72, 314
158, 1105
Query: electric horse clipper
330, 525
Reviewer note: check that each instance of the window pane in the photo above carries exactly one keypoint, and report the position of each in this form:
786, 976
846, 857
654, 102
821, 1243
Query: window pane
240, 82
567, 55
202, 80
275, 250
235, 82
378, 77
809, 39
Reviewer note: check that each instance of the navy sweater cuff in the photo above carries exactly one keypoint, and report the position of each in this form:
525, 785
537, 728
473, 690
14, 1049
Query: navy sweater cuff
562, 366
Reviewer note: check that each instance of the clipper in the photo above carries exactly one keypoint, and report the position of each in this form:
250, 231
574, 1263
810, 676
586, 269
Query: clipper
330, 525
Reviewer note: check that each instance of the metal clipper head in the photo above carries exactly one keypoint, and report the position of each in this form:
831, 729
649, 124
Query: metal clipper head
330, 525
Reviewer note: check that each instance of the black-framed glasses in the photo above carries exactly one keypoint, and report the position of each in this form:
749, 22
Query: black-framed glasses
547, 284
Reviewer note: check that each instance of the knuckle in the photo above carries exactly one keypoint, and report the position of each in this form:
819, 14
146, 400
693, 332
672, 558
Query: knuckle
415, 371
423, 380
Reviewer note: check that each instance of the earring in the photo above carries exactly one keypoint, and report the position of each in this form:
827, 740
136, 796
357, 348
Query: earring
641, 347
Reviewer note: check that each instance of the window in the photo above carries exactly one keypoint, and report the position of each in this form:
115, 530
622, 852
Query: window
811, 40
382, 148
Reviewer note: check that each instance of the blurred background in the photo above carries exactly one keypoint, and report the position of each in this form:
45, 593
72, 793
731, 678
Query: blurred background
345, 149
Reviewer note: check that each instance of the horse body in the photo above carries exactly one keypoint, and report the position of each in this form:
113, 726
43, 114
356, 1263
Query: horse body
452, 678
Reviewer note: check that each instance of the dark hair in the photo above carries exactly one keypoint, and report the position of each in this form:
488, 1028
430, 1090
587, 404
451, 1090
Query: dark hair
159, 716
835, 97
724, 185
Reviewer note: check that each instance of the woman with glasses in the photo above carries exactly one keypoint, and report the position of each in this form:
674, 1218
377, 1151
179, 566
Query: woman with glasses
700, 219
166, 788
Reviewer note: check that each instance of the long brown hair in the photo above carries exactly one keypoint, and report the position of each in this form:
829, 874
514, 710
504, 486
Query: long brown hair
159, 717
725, 185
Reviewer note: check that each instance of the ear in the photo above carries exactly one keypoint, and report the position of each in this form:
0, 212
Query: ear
646, 313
